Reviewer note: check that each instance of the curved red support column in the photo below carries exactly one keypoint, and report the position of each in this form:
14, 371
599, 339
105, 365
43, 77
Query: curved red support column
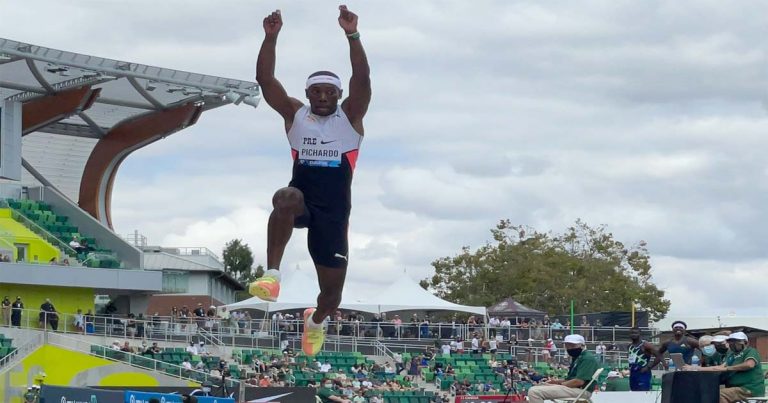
43, 111
123, 139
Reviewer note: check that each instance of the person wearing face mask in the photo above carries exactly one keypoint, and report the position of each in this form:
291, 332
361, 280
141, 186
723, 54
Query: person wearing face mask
713, 352
743, 374
640, 353
708, 352
720, 343
680, 343
583, 366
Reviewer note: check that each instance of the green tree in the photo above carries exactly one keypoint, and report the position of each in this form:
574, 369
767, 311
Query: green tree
238, 261
546, 271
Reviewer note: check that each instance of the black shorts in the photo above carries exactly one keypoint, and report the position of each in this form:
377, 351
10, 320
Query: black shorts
327, 237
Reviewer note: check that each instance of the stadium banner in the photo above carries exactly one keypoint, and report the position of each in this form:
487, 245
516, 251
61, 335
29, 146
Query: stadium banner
205, 399
490, 399
281, 395
175, 390
57, 394
132, 396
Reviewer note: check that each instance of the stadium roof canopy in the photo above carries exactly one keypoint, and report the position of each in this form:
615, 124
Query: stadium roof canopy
82, 115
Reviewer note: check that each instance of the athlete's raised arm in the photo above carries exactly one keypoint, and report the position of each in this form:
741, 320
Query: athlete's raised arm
359, 97
271, 89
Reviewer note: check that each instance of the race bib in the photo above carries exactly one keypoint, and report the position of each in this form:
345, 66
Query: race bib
318, 152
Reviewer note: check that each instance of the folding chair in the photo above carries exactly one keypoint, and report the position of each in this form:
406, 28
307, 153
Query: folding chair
579, 398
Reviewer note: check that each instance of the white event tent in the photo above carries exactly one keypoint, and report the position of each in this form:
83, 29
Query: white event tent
299, 289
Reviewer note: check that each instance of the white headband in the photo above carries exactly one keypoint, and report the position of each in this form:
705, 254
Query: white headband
324, 79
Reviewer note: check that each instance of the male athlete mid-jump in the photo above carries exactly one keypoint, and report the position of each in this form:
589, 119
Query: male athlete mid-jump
324, 139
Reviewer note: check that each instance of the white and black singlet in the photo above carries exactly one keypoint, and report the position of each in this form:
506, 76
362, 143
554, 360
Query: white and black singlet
324, 150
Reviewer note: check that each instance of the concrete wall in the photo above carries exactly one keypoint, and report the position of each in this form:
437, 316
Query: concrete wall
101, 279
37, 249
65, 299
64, 367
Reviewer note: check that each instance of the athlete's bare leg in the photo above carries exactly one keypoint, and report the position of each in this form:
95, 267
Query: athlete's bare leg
288, 204
331, 281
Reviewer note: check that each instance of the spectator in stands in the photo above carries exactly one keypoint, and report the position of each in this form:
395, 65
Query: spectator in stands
359, 397
65, 262
48, 316
130, 325
6, 311
201, 350
192, 348
126, 348
557, 329
116, 346
325, 367
600, 350
546, 351
153, 350
393, 330
475, 344
446, 348
398, 358
77, 246
584, 364
79, 321
185, 365
376, 330
185, 315
53, 261
388, 368
199, 313
485, 345
84, 244
584, 331
329, 393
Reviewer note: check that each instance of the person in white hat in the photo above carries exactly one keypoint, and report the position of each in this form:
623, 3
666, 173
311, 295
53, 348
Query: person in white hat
744, 376
583, 367
713, 350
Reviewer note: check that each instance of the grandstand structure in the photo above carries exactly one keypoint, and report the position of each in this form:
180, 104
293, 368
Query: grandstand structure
67, 121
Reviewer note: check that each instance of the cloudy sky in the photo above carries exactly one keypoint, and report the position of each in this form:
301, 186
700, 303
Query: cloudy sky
647, 116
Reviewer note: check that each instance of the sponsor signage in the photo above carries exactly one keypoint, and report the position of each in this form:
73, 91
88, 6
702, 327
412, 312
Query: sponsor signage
61, 394
132, 396
489, 399
279, 395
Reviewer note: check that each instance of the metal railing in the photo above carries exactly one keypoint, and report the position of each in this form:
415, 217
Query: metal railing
246, 333
528, 352
136, 360
20, 351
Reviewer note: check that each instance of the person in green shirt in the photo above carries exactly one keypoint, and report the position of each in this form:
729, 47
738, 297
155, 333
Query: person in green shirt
583, 366
714, 349
744, 376
720, 345
327, 394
